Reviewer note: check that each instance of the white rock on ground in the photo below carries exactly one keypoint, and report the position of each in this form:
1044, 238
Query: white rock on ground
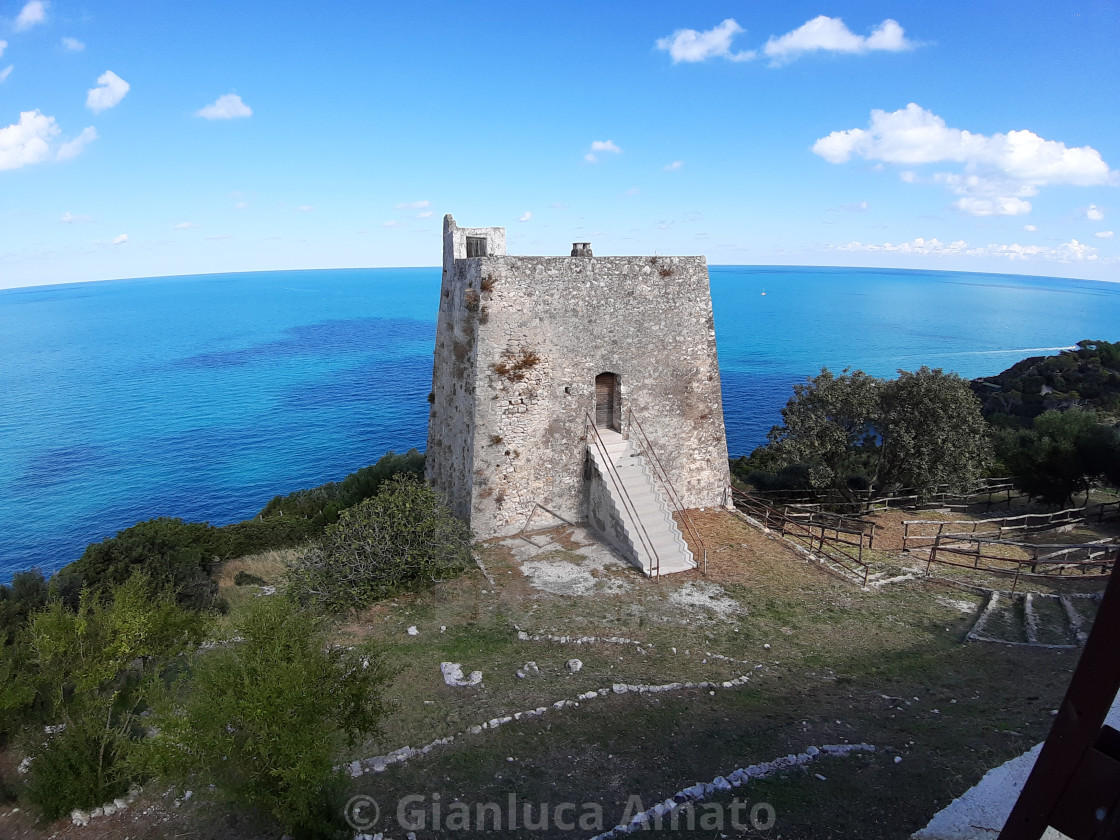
412, 631
529, 668
453, 675
574, 665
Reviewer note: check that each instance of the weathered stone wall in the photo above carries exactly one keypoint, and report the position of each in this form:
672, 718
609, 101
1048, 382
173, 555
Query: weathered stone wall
519, 343
451, 420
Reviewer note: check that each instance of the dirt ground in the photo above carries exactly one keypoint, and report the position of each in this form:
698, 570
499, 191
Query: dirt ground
789, 657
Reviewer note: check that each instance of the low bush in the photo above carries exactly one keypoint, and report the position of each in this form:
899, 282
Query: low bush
321, 505
174, 554
263, 718
27, 593
404, 538
90, 674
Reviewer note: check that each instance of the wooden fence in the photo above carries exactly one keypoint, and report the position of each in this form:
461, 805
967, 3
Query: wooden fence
998, 528
828, 541
1089, 560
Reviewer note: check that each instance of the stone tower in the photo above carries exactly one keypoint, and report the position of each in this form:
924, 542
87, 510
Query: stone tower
588, 386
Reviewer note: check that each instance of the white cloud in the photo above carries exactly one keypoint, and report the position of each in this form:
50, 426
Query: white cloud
240, 205
688, 45
1104, 234
73, 44
413, 205
526, 216
110, 90
1000, 206
121, 240
601, 146
1072, 251
674, 166
73, 148
1030, 228
28, 141
7, 71
305, 208
71, 218
425, 214
826, 34
1000, 170
225, 107
631, 192
185, 226
3, 46
32, 13
393, 224
1094, 213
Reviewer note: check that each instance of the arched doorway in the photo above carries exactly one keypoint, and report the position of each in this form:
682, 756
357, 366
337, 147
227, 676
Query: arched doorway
608, 410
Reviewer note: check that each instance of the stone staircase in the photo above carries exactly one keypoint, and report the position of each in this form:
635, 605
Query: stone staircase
645, 498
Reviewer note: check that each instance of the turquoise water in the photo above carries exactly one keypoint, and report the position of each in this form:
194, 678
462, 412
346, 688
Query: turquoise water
203, 397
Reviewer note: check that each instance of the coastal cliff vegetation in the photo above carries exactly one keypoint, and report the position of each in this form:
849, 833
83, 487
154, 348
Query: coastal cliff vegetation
1049, 422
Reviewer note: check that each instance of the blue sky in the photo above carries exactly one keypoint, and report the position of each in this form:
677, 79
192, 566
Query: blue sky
159, 138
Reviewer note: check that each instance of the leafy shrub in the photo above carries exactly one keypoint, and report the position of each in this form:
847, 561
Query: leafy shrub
27, 594
1062, 454
254, 536
403, 538
92, 672
262, 718
321, 505
175, 554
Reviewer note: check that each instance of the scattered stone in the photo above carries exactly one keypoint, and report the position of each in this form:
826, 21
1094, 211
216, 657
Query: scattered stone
529, 668
79, 817
766, 646
25, 765
574, 665
453, 675
898, 759
822, 778
412, 631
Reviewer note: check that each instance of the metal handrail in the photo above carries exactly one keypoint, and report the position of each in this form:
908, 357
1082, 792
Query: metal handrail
631, 508
674, 498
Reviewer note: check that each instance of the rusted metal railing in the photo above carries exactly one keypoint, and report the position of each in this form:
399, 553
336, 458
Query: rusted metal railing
620, 489
674, 498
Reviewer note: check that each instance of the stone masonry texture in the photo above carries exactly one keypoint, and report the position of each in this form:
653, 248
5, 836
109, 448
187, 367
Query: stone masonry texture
519, 342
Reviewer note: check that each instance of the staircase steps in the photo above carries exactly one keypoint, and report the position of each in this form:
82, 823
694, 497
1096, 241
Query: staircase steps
654, 526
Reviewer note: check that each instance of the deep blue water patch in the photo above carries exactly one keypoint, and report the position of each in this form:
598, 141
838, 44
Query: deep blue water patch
203, 397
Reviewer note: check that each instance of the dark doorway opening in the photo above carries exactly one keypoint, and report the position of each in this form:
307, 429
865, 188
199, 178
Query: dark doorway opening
607, 405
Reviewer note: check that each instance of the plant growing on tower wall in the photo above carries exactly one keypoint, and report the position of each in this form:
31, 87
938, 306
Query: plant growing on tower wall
514, 367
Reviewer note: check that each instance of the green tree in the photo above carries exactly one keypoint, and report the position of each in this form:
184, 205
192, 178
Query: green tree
264, 715
403, 538
932, 432
827, 422
89, 674
1062, 454
919, 430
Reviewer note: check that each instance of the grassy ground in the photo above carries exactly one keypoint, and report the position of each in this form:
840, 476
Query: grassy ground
827, 664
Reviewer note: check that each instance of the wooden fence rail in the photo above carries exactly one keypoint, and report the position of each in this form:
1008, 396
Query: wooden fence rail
999, 527
1044, 561
821, 538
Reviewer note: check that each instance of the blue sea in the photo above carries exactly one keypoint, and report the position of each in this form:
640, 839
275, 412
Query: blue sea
203, 397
